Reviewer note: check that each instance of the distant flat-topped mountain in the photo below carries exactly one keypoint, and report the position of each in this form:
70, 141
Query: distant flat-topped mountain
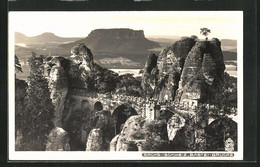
42, 38
115, 39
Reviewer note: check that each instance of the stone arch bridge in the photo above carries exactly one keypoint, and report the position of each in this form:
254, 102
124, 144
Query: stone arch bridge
112, 101
109, 101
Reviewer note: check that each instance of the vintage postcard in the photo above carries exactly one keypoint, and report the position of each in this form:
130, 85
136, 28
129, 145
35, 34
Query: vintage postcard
126, 85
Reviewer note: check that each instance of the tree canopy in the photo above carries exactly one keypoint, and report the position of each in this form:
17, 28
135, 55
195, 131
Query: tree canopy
205, 31
36, 119
129, 85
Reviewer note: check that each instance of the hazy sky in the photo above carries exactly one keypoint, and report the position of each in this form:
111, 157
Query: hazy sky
223, 25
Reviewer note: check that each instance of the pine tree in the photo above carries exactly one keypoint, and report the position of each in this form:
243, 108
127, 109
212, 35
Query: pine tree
37, 117
205, 31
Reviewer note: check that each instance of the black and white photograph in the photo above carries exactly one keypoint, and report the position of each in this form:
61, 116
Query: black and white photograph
126, 85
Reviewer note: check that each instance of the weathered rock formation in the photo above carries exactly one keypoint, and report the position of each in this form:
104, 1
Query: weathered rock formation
188, 128
82, 55
150, 75
99, 138
78, 72
58, 85
58, 140
78, 122
69, 81
83, 72
139, 134
115, 39
203, 72
95, 141
113, 143
81, 117
186, 71
165, 71
174, 124
170, 64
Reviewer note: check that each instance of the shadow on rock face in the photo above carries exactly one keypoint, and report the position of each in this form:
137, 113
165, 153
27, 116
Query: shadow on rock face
219, 131
180, 142
78, 123
83, 51
216, 134
139, 134
121, 114
98, 106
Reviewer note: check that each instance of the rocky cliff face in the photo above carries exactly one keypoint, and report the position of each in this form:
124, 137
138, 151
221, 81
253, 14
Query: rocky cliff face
82, 55
150, 75
70, 79
187, 70
58, 85
203, 72
170, 64
174, 124
95, 141
83, 72
79, 71
79, 119
139, 134
161, 75
116, 39
64, 75
58, 140
78, 122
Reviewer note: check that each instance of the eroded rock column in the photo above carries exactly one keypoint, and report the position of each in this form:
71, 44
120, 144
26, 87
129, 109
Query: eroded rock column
58, 85
58, 140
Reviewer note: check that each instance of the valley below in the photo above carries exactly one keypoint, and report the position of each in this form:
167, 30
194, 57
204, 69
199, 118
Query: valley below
112, 59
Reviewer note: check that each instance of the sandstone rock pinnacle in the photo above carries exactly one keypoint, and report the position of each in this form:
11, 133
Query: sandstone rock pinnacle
186, 71
58, 140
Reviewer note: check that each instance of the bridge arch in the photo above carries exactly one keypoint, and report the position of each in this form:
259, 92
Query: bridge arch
121, 114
